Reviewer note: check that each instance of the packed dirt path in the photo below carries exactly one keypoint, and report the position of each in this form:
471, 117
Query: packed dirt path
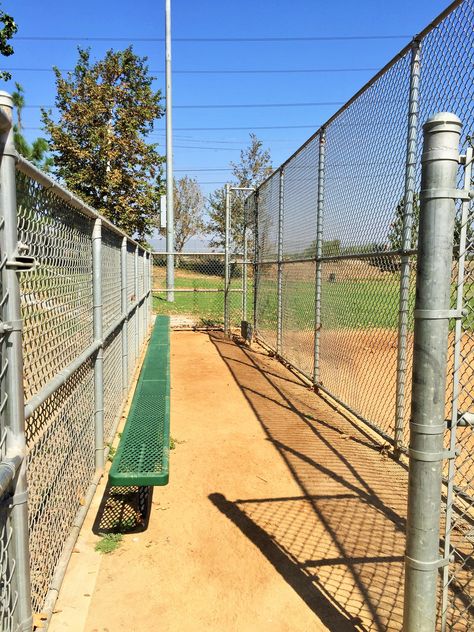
280, 514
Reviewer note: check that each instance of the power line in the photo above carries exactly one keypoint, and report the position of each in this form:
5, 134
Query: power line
220, 106
259, 105
190, 139
193, 170
39, 129
224, 71
213, 148
247, 128
324, 38
222, 129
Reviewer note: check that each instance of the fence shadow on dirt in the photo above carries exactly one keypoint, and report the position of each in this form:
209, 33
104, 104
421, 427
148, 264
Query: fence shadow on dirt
340, 544
123, 510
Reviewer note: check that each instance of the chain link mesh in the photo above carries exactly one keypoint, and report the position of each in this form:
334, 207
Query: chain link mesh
360, 363
364, 189
111, 281
57, 310
8, 594
446, 85
60, 444
200, 289
112, 383
56, 297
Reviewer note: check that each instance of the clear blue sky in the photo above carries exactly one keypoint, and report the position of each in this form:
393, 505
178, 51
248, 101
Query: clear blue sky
198, 153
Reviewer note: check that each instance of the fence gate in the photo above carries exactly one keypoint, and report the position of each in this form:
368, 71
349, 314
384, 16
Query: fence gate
211, 289
458, 576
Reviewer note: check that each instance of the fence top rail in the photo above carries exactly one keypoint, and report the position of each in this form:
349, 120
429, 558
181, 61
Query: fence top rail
416, 38
189, 254
48, 182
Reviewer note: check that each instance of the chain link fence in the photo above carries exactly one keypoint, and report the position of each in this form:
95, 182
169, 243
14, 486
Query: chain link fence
336, 237
200, 296
81, 290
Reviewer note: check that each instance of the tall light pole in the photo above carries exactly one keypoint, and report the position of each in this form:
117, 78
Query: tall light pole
169, 163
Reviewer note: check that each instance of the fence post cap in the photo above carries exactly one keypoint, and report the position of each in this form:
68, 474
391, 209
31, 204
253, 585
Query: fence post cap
6, 99
443, 122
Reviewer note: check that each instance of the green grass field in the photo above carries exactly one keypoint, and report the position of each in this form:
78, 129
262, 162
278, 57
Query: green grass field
208, 307
346, 304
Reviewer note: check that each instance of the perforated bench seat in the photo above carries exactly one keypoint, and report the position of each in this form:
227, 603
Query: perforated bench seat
142, 457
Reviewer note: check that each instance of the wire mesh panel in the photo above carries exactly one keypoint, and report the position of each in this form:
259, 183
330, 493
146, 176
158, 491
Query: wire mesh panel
112, 382
236, 289
132, 348
300, 196
56, 297
141, 272
266, 306
267, 218
8, 594
364, 192
131, 273
111, 297
199, 289
60, 444
298, 311
268, 206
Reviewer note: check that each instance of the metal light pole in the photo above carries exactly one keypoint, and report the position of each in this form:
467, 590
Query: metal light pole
169, 163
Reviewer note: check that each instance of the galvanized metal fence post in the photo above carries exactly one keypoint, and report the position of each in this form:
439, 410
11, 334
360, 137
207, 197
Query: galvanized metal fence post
136, 313
98, 335
150, 286
280, 264
406, 245
427, 425
123, 269
255, 264
12, 370
319, 254
227, 260
147, 282
245, 274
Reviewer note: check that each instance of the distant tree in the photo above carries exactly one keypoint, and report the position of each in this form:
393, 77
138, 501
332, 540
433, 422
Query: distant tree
328, 247
188, 211
395, 234
106, 111
254, 166
6, 33
37, 152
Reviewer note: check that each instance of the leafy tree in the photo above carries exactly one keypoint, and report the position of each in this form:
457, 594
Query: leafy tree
37, 152
396, 227
188, 211
395, 234
6, 33
106, 111
253, 168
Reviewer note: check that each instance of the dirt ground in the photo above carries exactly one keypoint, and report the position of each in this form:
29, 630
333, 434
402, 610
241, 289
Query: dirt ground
280, 514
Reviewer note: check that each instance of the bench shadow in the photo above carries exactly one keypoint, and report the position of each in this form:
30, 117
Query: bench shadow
123, 510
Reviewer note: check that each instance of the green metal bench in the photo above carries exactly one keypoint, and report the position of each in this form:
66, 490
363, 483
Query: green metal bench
142, 458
